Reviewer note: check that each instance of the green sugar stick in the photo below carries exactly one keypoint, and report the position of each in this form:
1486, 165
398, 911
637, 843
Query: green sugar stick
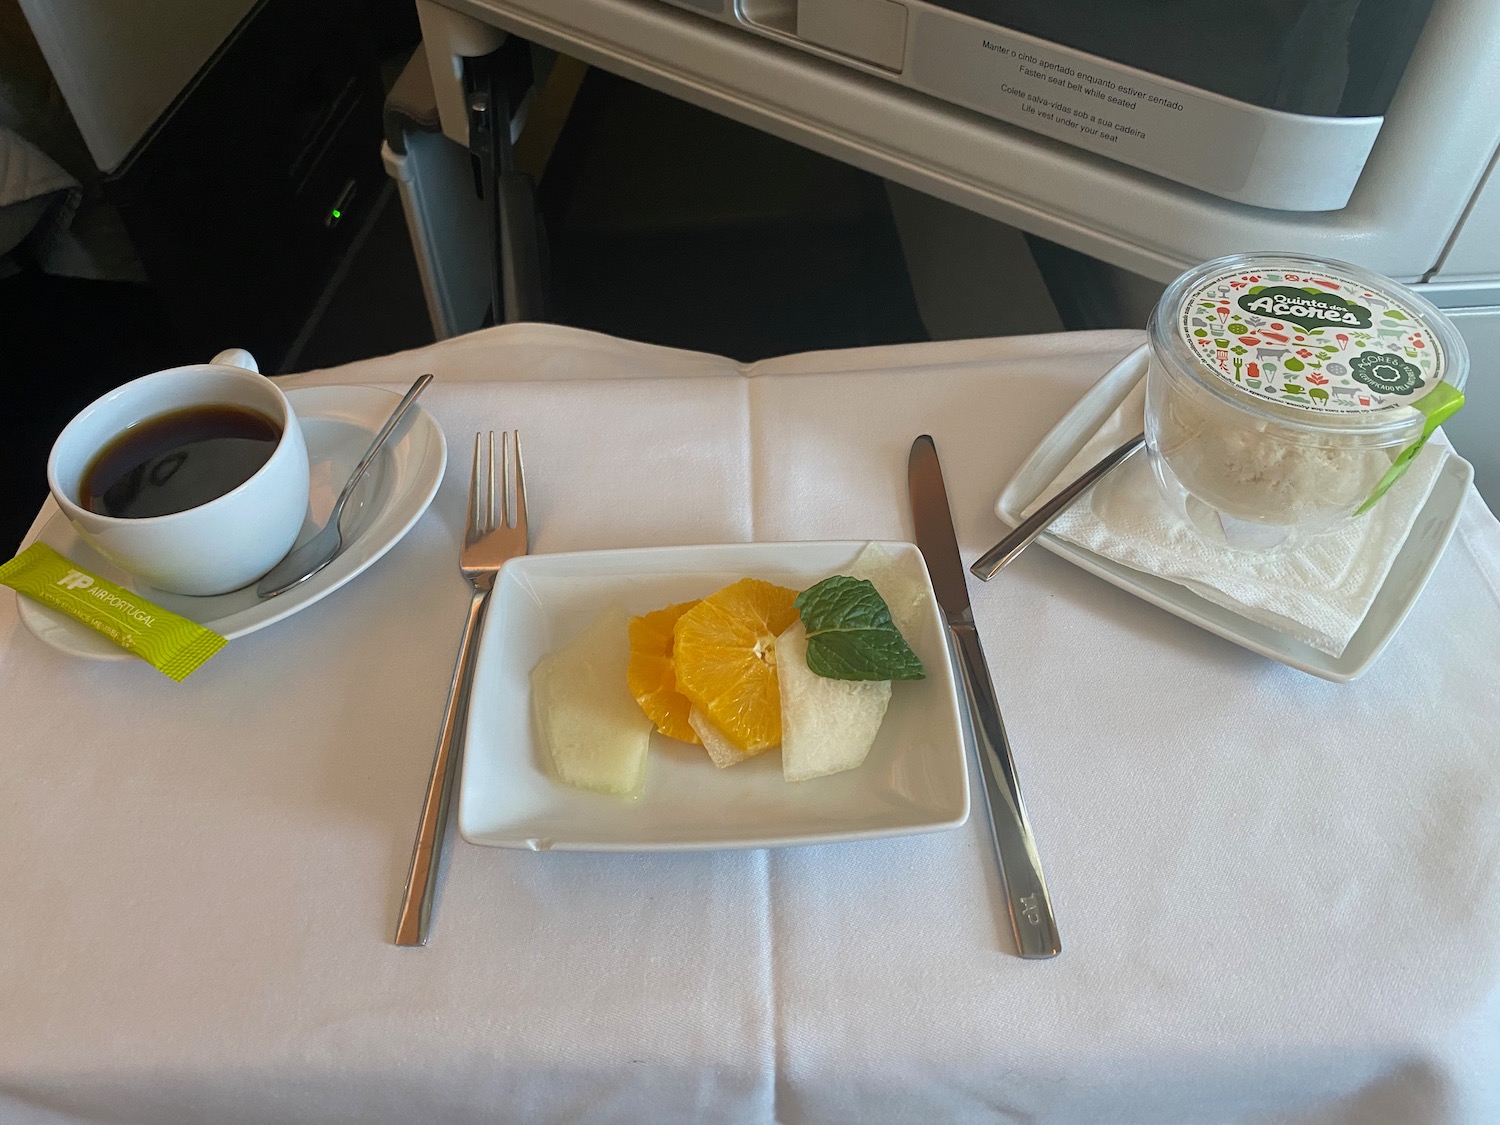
171, 644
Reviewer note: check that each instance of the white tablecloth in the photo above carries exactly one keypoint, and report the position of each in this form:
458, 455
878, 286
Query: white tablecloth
1279, 897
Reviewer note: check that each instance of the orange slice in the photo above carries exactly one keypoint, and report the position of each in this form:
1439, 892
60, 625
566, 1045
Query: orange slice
725, 654
652, 675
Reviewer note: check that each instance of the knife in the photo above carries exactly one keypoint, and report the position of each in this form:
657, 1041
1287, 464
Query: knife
1026, 897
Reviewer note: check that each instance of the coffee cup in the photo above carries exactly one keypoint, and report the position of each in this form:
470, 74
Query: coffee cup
193, 479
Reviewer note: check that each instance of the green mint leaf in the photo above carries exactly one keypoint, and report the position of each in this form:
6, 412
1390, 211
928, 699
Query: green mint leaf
850, 635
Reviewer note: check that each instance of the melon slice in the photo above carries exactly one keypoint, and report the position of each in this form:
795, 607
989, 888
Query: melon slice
903, 591
723, 752
594, 731
826, 725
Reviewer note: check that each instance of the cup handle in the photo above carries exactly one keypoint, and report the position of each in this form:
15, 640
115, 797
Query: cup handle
237, 357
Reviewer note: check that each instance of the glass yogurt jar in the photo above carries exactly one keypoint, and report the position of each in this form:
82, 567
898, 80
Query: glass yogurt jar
1285, 394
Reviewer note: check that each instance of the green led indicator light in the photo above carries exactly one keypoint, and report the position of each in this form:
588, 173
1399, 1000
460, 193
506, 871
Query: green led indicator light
337, 214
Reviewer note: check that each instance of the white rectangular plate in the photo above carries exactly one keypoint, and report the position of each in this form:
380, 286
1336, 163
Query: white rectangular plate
914, 780
1408, 574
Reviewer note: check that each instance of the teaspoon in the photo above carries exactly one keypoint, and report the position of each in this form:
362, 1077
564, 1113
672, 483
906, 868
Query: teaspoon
988, 564
324, 547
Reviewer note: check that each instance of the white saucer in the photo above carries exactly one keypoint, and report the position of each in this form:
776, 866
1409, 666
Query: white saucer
339, 423
1408, 574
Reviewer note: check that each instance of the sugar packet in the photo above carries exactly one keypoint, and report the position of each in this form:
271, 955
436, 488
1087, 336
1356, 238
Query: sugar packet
171, 644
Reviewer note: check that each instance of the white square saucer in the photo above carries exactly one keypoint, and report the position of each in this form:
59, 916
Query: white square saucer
1408, 574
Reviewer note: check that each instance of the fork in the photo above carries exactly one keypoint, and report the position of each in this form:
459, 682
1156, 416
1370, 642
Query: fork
488, 545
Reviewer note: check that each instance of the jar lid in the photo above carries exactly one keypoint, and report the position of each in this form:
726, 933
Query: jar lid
1324, 337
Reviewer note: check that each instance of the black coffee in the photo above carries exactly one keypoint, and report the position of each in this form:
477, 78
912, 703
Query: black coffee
177, 461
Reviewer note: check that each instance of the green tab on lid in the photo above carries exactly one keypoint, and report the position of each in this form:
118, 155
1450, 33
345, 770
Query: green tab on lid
1438, 404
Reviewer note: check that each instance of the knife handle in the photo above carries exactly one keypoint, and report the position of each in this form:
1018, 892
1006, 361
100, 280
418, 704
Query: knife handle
1026, 897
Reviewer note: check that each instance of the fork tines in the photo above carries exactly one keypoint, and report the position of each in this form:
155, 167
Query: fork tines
482, 490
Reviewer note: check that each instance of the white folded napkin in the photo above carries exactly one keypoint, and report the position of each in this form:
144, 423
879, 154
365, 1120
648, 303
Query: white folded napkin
1317, 591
